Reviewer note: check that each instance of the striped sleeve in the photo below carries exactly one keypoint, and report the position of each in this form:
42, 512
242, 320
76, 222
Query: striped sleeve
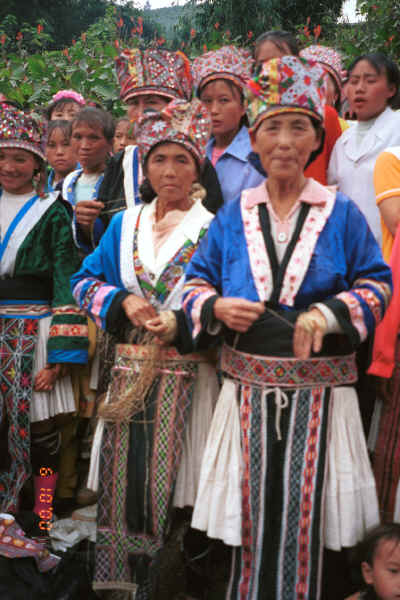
361, 307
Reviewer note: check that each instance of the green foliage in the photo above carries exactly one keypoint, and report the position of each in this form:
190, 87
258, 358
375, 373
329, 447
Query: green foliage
31, 71
64, 19
31, 77
216, 21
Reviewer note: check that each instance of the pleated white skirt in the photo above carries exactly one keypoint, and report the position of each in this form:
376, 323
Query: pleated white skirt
61, 399
351, 505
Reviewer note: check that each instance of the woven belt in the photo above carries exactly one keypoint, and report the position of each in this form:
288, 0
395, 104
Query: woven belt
273, 371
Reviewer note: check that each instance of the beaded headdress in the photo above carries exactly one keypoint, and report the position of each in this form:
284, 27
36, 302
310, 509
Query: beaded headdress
227, 62
287, 84
185, 123
154, 71
19, 130
329, 58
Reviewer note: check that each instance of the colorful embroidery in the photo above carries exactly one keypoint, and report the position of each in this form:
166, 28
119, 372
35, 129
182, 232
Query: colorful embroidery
68, 330
163, 427
258, 256
288, 372
172, 273
17, 346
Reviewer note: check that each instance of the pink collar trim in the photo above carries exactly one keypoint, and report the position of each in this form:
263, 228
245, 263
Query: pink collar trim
313, 193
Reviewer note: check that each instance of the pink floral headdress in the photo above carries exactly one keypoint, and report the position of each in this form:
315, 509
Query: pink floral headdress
70, 94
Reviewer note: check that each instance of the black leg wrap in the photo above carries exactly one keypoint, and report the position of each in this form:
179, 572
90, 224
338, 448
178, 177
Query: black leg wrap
45, 449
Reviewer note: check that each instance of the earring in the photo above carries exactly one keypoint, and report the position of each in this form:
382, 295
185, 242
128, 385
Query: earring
197, 192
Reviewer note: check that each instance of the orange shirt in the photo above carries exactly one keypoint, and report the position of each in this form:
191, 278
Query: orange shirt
387, 185
319, 167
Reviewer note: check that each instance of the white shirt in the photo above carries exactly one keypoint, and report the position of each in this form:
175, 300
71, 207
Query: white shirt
351, 166
10, 204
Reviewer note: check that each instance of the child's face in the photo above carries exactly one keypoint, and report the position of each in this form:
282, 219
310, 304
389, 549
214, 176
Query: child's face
66, 111
122, 136
17, 168
90, 147
384, 574
59, 153
225, 107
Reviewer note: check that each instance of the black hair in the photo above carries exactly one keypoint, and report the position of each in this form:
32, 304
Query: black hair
58, 104
320, 131
280, 39
366, 549
382, 64
232, 86
96, 117
65, 127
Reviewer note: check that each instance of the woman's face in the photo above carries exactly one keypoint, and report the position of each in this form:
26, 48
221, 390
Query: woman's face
225, 107
59, 153
137, 105
268, 50
65, 111
17, 169
368, 91
122, 136
284, 143
171, 170
90, 146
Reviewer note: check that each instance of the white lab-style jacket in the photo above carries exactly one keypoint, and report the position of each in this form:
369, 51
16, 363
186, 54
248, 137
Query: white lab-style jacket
351, 166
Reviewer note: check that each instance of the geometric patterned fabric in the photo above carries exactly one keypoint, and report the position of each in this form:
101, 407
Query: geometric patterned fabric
282, 491
138, 468
17, 346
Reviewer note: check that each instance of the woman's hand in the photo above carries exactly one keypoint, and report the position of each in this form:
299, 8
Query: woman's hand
86, 213
237, 313
138, 310
309, 332
46, 378
164, 326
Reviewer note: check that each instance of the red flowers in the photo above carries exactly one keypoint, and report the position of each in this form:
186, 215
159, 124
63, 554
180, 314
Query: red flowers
216, 25
192, 33
19, 36
3, 39
39, 28
249, 35
120, 23
317, 32
116, 44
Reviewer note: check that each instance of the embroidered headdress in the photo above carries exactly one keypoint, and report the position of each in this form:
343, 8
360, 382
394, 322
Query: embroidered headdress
329, 58
19, 130
185, 123
154, 71
287, 84
227, 62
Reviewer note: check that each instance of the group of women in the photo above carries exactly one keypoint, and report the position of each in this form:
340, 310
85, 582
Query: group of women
233, 337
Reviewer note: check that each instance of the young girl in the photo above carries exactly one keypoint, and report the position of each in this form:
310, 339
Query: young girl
41, 329
59, 153
65, 105
219, 78
380, 563
123, 135
91, 140
372, 88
